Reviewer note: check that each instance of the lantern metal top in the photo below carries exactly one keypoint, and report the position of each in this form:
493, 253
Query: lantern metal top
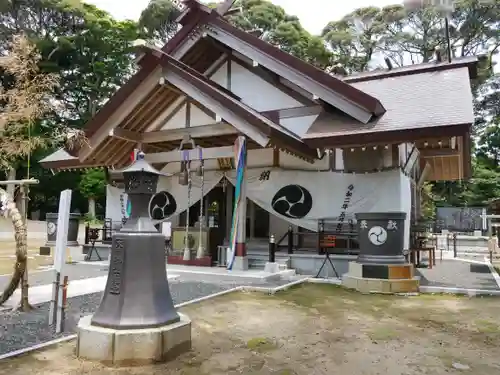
141, 165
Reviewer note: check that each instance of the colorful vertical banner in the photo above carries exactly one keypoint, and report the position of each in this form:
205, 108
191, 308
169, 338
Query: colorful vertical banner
239, 156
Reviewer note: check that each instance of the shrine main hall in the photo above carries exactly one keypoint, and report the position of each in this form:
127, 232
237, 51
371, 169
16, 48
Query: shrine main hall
306, 149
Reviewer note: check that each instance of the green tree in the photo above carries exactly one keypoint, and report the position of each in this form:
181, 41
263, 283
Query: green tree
157, 20
93, 63
26, 96
356, 38
275, 26
93, 186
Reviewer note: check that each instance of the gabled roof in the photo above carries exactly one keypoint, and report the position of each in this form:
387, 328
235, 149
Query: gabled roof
427, 99
227, 99
202, 27
196, 17
335, 85
147, 65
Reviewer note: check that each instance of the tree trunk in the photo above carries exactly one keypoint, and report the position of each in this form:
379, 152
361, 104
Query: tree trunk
24, 304
9, 209
11, 175
91, 207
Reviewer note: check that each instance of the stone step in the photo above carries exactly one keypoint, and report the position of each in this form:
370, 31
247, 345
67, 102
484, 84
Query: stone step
259, 261
389, 286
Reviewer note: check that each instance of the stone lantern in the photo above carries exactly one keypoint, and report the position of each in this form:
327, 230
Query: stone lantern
136, 308
381, 266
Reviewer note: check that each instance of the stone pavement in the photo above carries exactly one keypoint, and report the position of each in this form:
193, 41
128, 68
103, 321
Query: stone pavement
221, 272
43, 293
74, 272
37, 230
452, 273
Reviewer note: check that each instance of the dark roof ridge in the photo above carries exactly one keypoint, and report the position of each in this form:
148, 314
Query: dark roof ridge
432, 66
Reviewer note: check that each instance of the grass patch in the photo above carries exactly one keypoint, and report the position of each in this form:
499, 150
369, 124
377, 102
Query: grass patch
383, 333
313, 328
333, 297
487, 326
261, 344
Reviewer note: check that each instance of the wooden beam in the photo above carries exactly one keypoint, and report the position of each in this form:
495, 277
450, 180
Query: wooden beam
209, 130
176, 156
177, 105
276, 157
302, 111
429, 152
126, 135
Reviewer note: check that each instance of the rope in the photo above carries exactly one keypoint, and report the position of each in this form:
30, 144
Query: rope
200, 245
29, 153
185, 156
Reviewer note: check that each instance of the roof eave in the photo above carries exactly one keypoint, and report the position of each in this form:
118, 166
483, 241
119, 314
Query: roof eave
387, 136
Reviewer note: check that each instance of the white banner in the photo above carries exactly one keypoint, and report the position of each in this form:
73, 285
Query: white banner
176, 202
116, 203
302, 197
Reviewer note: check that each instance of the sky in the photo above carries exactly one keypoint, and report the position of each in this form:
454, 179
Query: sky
313, 17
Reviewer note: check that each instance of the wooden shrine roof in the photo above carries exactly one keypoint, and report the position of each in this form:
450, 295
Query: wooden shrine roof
394, 115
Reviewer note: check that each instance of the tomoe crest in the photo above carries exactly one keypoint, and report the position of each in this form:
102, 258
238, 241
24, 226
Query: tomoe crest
162, 205
292, 201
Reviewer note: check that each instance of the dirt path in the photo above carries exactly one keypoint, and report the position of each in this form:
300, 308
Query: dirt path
316, 330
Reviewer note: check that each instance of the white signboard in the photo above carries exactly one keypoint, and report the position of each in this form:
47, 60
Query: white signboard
62, 229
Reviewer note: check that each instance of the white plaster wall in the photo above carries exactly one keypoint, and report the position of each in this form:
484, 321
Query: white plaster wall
298, 125
257, 159
405, 203
387, 157
253, 90
358, 160
260, 158
197, 118
261, 96
339, 159
220, 76
292, 162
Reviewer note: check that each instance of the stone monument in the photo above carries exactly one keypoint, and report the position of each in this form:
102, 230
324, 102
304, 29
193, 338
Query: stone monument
136, 321
381, 266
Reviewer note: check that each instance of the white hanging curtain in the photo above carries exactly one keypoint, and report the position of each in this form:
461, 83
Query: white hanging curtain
303, 197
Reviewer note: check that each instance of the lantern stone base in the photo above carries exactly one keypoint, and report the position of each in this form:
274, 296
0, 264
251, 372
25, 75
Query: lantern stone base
381, 278
133, 346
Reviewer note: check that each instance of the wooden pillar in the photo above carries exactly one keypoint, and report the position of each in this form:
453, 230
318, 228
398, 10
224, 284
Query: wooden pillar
241, 260
251, 215
229, 210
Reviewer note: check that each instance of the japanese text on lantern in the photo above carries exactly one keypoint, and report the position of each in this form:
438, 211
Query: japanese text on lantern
116, 266
392, 225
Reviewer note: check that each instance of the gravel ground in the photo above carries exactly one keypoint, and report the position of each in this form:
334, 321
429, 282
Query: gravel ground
458, 274
20, 330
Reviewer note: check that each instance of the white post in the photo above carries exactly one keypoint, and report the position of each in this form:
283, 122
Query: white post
60, 252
